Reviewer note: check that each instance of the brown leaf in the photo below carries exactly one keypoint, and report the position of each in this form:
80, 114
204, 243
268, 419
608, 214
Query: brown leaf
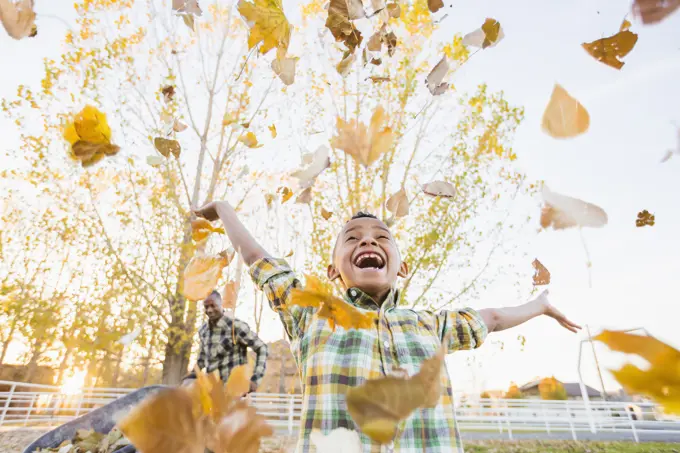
625, 25
326, 214
439, 189
564, 116
18, 19
488, 35
202, 274
397, 204
168, 92
338, 22
285, 69
365, 145
435, 5
610, 50
378, 79
542, 275
241, 430
317, 162
644, 218
560, 212
179, 126
435, 77
189, 21
379, 405
305, 197
167, 147
90, 153
187, 7
394, 10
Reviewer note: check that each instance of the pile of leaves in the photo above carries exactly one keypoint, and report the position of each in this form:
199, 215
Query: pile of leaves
88, 440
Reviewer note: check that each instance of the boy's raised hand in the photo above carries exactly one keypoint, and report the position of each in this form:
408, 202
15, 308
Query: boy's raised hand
550, 310
208, 211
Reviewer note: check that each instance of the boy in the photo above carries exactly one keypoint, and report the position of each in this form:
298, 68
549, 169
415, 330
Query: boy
367, 263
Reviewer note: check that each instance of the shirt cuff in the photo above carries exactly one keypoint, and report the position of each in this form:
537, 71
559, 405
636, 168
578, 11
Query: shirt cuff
478, 327
264, 269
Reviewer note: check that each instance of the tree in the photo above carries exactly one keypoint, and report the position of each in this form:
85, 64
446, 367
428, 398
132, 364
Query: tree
513, 392
551, 389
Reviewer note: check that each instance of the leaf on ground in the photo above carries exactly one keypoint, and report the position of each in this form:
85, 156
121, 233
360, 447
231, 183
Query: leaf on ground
202, 228
316, 163
305, 197
202, 274
338, 312
435, 5
87, 440
187, 7
397, 204
661, 381
18, 19
272, 130
542, 275
644, 218
127, 339
250, 140
268, 24
285, 69
338, 22
167, 146
340, 440
365, 145
326, 214
439, 189
286, 194
435, 78
564, 116
560, 212
488, 35
612, 49
345, 65
379, 405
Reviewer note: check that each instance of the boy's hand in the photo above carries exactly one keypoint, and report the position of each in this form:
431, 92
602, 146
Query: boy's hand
554, 313
209, 210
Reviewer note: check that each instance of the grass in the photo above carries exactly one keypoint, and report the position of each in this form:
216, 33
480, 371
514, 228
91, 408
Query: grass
533, 446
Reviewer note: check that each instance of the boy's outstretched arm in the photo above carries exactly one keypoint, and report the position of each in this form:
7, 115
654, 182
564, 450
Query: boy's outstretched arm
497, 319
241, 239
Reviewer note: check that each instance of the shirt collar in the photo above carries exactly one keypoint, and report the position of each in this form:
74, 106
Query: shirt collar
359, 298
221, 323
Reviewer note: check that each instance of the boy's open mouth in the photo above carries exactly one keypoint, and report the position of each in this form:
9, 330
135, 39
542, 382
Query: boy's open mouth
369, 260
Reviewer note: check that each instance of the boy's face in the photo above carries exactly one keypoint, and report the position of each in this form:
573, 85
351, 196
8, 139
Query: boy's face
366, 257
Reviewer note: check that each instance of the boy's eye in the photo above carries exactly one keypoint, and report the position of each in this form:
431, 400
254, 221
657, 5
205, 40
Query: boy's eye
350, 238
383, 237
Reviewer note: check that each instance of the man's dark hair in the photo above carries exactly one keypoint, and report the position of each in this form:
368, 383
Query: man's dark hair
363, 215
215, 293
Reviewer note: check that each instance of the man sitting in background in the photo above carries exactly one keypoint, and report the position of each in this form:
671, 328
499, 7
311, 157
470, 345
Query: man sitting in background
225, 342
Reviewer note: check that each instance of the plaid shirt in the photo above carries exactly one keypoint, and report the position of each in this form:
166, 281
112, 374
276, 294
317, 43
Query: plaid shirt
224, 347
330, 362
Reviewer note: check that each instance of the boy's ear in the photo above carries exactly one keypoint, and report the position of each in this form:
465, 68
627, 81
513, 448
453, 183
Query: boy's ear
332, 272
403, 270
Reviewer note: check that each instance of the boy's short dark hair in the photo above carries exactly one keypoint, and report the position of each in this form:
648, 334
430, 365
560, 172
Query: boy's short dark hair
363, 215
216, 293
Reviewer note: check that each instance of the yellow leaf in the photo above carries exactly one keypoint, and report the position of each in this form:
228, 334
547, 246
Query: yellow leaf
560, 212
365, 145
289, 254
542, 275
286, 194
241, 430
435, 5
338, 22
378, 405
202, 274
17, 18
201, 229
89, 125
397, 204
644, 218
167, 147
285, 69
238, 383
337, 311
305, 196
488, 35
269, 199
229, 119
625, 25
326, 214
268, 24
439, 189
230, 295
564, 116
610, 50
249, 140
272, 129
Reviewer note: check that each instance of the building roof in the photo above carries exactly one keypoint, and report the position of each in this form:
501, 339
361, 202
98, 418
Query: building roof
572, 388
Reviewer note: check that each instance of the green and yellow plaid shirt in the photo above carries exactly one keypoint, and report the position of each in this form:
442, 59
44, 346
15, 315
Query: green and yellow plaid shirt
330, 362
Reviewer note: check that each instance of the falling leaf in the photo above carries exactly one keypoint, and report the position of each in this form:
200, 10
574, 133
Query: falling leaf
230, 296
337, 311
269, 199
564, 116
250, 140
18, 19
435, 5
560, 212
397, 204
435, 77
345, 65
89, 125
241, 430
316, 163
374, 43
661, 381
202, 228
272, 129
202, 274
610, 50
542, 275
285, 69
166, 147
179, 126
340, 440
90, 153
268, 24
378, 79
379, 405
154, 160
286, 194
187, 7
126, 340
326, 214
394, 10
338, 22
168, 92
625, 25
439, 189
189, 21
289, 254
229, 119
365, 145
488, 35
654, 11
305, 196
644, 218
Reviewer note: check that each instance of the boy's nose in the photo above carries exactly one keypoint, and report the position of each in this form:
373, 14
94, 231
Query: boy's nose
368, 241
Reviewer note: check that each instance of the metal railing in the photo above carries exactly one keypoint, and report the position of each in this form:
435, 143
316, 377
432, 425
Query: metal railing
44, 405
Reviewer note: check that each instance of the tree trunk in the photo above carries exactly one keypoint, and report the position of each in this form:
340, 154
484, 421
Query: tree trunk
147, 365
6, 343
178, 347
116, 370
33, 362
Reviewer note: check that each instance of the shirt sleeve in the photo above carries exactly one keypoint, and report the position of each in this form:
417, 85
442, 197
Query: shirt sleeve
464, 329
277, 279
200, 363
249, 339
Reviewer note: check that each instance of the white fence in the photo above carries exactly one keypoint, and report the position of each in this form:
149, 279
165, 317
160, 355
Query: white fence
43, 405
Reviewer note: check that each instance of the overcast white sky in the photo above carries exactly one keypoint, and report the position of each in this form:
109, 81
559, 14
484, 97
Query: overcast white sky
636, 272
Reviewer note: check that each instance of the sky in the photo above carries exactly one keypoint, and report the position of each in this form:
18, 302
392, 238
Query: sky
616, 165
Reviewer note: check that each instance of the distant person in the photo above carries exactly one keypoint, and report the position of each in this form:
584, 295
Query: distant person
654, 11
225, 342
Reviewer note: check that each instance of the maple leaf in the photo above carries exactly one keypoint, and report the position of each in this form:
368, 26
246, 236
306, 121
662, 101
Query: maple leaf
268, 24
397, 204
18, 19
564, 116
379, 405
488, 35
542, 275
435, 77
644, 218
336, 310
610, 50
250, 140
316, 163
340, 440
661, 381
338, 22
435, 5
365, 145
201, 229
560, 212
285, 69
202, 274
326, 214
439, 189
305, 197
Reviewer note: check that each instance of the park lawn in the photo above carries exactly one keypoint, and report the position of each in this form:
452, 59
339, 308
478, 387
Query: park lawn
531, 446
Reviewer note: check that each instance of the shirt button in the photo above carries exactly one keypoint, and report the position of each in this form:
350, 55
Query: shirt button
353, 293
387, 344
